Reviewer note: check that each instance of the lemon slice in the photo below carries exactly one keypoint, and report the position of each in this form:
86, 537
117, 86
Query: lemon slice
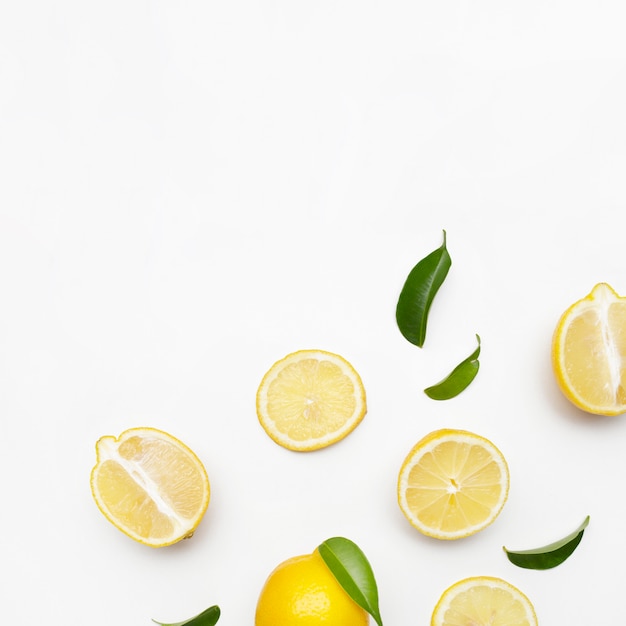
452, 484
150, 485
589, 352
310, 399
483, 601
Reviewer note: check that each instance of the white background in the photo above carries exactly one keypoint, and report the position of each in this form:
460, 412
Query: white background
191, 190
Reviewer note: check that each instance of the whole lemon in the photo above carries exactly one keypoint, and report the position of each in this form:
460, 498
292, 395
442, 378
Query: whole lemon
302, 591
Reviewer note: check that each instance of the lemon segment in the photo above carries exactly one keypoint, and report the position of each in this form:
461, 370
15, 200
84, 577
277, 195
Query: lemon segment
310, 400
483, 601
452, 484
589, 352
150, 486
302, 591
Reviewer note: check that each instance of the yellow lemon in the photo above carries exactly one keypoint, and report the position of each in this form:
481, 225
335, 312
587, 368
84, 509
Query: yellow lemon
302, 591
483, 601
150, 486
452, 484
589, 352
310, 399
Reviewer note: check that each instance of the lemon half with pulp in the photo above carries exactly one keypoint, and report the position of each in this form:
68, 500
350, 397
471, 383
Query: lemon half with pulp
589, 352
452, 484
483, 601
150, 485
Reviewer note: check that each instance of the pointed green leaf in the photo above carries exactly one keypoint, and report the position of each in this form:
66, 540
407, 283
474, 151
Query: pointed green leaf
551, 555
418, 293
353, 571
208, 617
458, 379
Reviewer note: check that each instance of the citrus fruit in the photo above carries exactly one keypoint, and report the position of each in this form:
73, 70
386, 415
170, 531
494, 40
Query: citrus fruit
483, 601
302, 591
150, 485
589, 352
452, 484
310, 399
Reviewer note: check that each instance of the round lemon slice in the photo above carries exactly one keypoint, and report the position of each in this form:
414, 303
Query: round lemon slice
483, 601
310, 400
150, 485
589, 352
452, 484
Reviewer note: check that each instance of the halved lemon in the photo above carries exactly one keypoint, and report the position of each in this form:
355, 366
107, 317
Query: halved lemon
310, 399
150, 485
452, 484
589, 352
483, 601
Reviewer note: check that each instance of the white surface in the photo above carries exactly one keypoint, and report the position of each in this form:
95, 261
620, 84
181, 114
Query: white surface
191, 190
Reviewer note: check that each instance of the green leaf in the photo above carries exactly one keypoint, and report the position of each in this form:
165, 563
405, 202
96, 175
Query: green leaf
206, 618
551, 555
353, 571
458, 379
418, 293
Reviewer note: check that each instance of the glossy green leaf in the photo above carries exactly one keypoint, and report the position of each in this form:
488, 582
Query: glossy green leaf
418, 293
458, 379
208, 617
353, 571
551, 555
